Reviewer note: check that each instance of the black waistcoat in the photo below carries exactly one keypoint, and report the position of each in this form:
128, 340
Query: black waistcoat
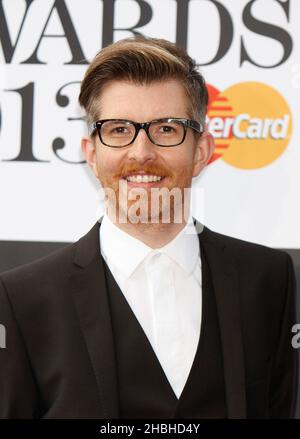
144, 391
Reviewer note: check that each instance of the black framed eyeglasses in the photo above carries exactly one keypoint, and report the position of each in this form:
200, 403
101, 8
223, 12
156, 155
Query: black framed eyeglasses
117, 133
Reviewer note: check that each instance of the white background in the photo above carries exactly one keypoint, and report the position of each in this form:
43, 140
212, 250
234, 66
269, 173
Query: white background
57, 201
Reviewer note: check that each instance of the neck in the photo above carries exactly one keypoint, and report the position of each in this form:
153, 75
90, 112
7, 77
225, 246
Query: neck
153, 235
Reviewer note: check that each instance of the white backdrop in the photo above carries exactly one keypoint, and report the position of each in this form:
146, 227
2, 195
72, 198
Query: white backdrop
43, 197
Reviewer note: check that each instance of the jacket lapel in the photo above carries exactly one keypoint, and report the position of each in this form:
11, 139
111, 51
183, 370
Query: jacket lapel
225, 280
90, 298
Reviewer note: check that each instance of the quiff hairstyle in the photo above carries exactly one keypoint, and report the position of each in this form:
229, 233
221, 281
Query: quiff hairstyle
143, 60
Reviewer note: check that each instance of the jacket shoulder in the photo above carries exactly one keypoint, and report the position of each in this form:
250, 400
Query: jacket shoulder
58, 262
44, 266
243, 250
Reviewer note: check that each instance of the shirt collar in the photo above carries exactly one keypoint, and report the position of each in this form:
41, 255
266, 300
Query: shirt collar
127, 252
184, 249
120, 248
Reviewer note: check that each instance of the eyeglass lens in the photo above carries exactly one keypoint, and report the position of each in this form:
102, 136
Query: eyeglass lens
121, 132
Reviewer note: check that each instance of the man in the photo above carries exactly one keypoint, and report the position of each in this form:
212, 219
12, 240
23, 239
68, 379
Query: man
147, 315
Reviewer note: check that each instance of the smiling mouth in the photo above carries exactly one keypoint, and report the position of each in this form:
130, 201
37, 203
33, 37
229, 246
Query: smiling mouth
143, 178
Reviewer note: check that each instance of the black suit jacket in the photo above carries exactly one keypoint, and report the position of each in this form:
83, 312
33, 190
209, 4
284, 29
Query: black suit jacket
59, 357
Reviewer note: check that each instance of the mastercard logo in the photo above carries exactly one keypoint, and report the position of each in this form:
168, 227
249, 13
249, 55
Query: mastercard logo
251, 124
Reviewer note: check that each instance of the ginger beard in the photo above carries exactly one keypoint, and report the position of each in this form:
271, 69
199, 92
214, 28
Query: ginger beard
166, 201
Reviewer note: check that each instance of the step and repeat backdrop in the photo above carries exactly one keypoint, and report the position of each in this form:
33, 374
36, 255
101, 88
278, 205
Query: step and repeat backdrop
249, 53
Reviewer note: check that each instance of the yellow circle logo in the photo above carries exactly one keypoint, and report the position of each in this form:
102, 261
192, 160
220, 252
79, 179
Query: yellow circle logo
251, 123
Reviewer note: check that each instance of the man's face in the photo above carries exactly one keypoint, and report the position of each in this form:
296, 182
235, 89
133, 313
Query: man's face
141, 103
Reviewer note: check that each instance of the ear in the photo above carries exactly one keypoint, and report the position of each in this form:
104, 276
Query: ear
88, 147
204, 150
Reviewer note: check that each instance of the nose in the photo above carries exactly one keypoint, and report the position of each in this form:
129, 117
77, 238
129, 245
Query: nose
142, 149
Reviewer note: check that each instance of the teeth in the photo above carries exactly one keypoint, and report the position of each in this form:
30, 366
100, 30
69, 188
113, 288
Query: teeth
143, 178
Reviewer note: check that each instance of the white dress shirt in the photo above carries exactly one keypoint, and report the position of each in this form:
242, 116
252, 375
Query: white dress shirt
163, 287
